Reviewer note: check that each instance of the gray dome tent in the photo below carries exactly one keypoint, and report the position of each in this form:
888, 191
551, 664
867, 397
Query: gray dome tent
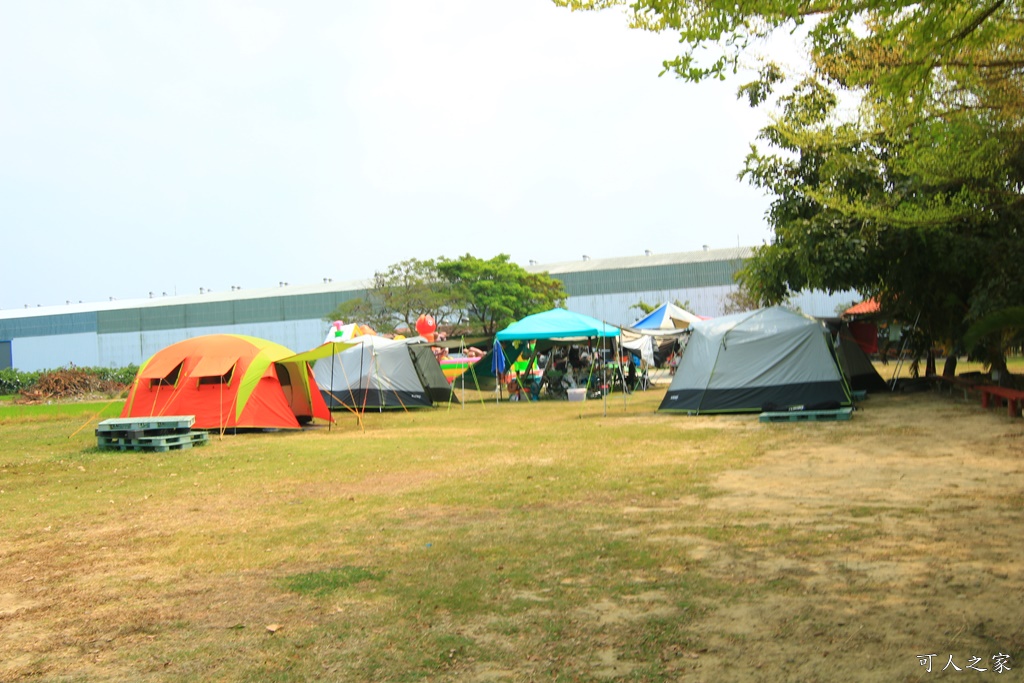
373, 373
769, 359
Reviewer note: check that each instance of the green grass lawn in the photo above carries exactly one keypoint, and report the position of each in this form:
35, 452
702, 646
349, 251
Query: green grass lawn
404, 549
485, 542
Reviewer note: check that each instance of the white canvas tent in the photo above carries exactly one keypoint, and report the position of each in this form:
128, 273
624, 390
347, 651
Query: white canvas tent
772, 358
373, 373
642, 346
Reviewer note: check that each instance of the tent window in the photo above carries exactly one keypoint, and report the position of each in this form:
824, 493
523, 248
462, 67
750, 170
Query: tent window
214, 370
168, 380
218, 379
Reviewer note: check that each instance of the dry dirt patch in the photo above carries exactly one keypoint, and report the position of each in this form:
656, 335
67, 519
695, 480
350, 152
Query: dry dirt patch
888, 537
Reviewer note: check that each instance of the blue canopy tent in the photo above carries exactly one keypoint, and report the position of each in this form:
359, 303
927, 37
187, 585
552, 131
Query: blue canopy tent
557, 325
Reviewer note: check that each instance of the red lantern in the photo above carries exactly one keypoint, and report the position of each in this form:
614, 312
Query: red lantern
425, 324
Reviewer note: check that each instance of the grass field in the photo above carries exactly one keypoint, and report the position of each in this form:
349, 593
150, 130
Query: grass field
506, 542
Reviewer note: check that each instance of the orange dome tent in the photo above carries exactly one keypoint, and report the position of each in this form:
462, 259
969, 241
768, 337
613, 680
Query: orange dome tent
227, 381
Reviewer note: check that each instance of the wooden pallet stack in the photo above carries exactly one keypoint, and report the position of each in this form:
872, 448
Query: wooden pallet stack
151, 434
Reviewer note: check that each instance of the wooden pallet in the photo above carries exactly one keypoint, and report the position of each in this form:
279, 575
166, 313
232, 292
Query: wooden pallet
146, 424
168, 433
152, 444
807, 415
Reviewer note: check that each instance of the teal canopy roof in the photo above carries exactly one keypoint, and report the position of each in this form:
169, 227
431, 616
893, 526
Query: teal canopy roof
557, 323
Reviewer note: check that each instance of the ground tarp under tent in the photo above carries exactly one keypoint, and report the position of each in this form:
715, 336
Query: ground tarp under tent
374, 373
769, 359
227, 381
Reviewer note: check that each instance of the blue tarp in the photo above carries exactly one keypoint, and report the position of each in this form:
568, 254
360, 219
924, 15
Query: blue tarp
557, 323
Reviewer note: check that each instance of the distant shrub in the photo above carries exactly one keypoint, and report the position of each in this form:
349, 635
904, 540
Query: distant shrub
123, 376
14, 381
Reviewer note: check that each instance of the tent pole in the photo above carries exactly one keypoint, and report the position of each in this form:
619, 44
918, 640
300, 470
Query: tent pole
903, 347
496, 375
354, 408
476, 383
604, 370
604, 381
451, 388
462, 375
618, 356
334, 359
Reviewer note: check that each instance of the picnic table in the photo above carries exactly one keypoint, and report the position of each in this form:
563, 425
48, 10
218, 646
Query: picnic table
1014, 397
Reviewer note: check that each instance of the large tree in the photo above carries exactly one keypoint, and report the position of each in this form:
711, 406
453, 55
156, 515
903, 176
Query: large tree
400, 294
467, 294
917, 196
847, 214
497, 292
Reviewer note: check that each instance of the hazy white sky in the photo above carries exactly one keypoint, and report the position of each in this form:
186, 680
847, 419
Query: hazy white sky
170, 145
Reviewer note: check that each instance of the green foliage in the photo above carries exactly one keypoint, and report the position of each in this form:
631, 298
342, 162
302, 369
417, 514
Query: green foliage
497, 292
467, 293
853, 209
125, 375
401, 294
1007, 324
13, 381
896, 164
926, 54
739, 300
645, 308
363, 309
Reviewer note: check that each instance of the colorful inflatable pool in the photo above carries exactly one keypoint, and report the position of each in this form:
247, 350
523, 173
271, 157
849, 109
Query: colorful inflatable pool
453, 366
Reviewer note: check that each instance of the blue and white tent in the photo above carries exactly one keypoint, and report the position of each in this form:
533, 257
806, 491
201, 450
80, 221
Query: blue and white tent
654, 336
666, 317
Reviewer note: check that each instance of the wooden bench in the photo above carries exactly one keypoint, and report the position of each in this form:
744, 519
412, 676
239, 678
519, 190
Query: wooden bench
966, 384
1014, 397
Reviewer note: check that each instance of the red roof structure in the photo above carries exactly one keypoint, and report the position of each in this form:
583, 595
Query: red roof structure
863, 308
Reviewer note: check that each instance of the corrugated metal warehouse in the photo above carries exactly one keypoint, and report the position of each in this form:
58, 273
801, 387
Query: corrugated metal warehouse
120, 333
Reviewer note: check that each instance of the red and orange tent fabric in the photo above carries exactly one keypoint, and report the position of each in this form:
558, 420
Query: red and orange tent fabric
227, 381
